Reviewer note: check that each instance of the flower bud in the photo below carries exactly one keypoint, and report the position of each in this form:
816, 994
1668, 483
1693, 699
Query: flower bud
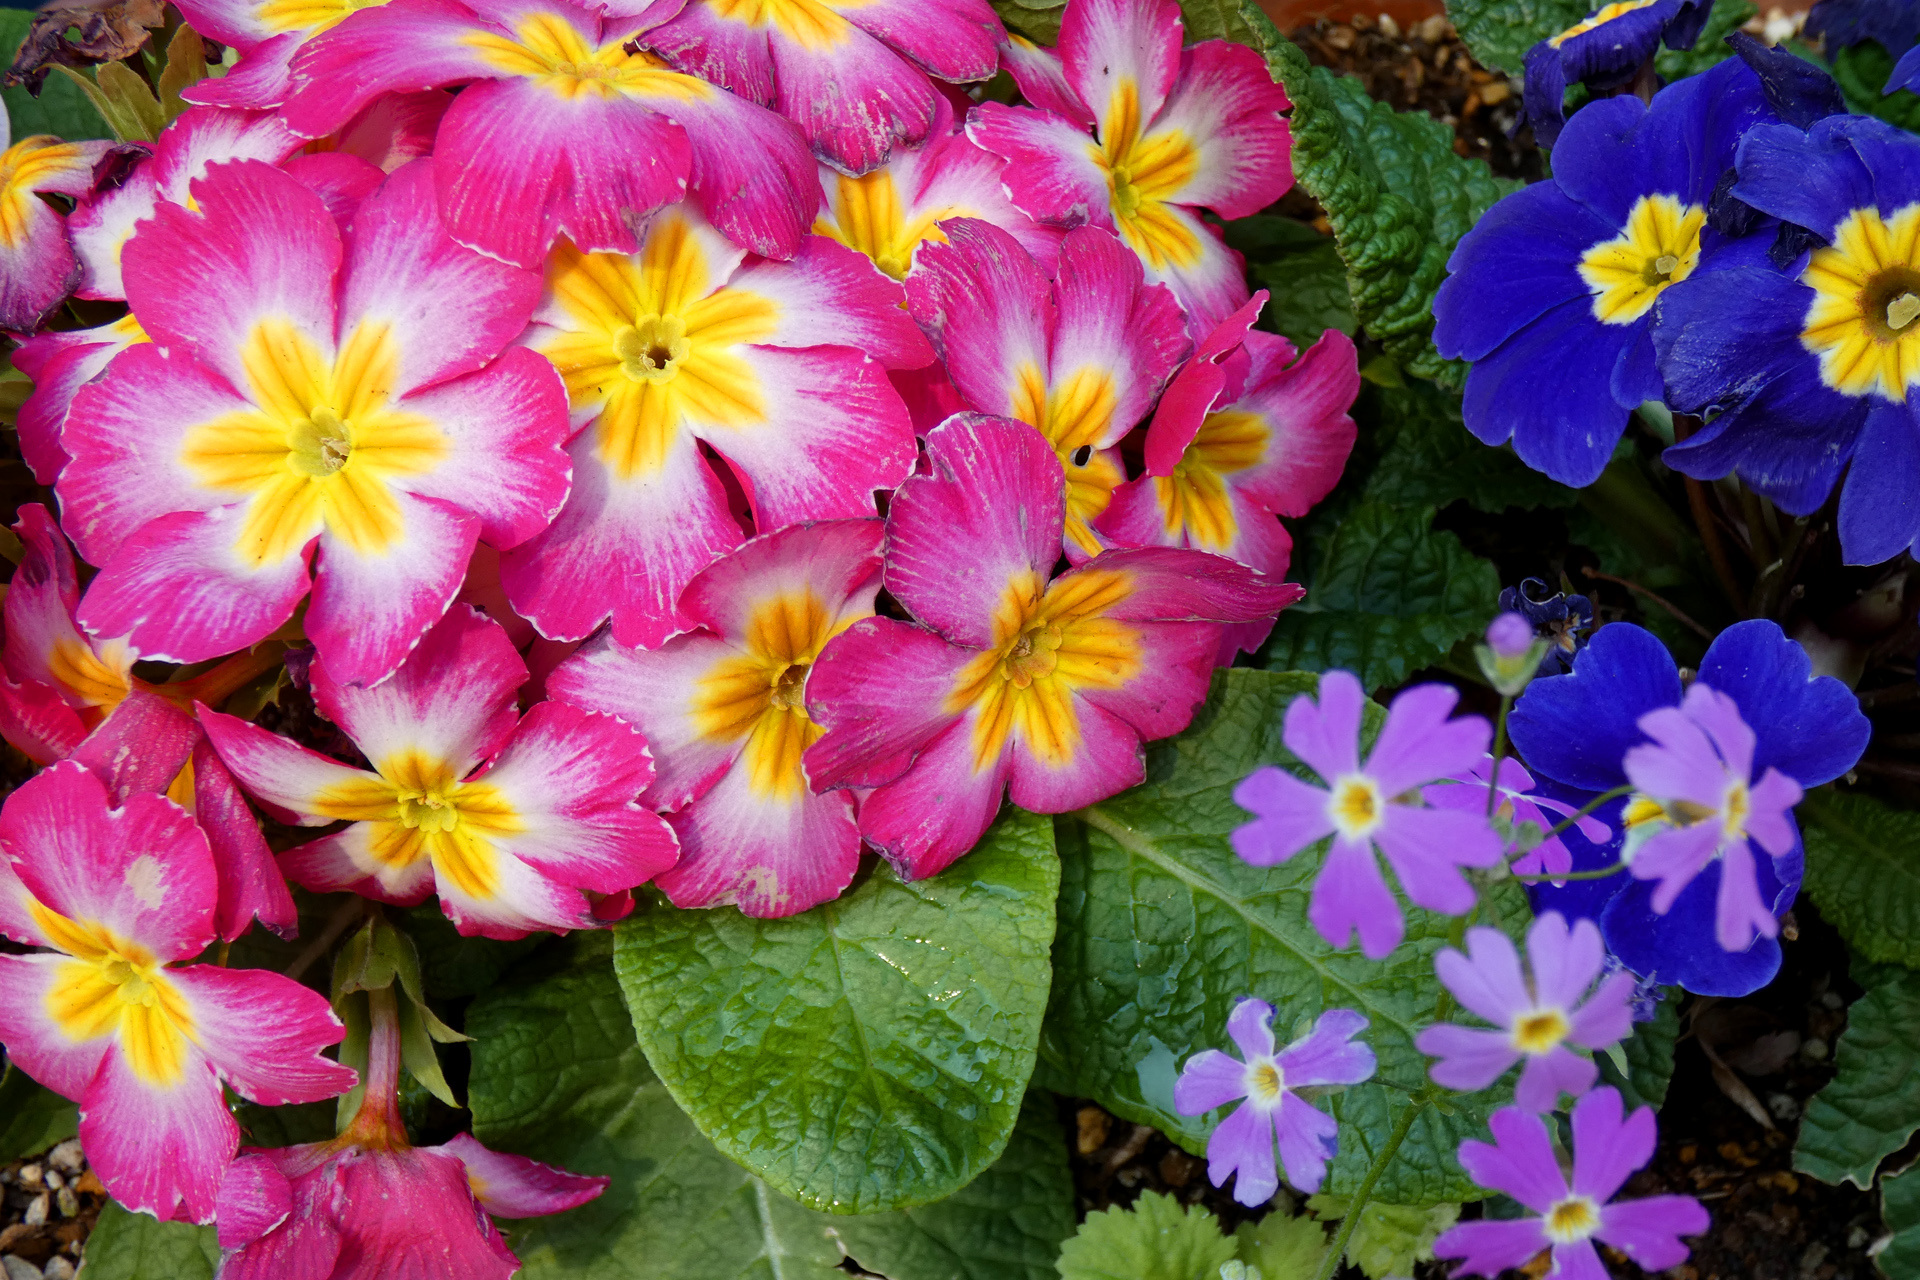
1511, 653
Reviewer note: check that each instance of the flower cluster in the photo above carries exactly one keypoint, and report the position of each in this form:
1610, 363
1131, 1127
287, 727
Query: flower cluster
671, 443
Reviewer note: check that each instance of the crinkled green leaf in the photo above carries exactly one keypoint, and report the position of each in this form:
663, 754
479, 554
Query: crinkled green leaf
1649, 1055
1862, 71
133, 1246
32, 1116
1428, 458
1711, 48
1302, 270
452, 965
1872, 1105
1283, 1247
61, 109
1163, 928
1387, 594
870, 1053
1863, 869
1156, 1238
1389, 1238
557, 1075
1038, 21
1499, 32
1900, 1207
1397, 196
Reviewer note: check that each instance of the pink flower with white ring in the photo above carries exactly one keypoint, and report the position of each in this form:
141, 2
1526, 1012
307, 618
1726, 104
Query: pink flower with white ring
513, 820
37, 265
117, 896
1537, 1017
306, 395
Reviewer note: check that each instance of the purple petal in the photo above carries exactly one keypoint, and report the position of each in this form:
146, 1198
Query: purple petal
1470, 1057
1606, 1149
1418, 744
1548, 858
1550, 1074
1564, 961
1608, 1017
1307, 1141
1772, 798
1719, 715
1210, 1079
1649, 1231
1739, 911
1487, 979
1491, 1246
1243, 1144
1680, 762
1251, 1026
1292, 815
1425, 847
1328, 1054
1674, 858
1351, 895
1520, 1163
1326, 734
1578, 1261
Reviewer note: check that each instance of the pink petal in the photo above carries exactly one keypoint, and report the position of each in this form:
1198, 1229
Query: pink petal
1470, 1057
251, 886
1121, 51
255, 1197
1243, 1144
1546, 1076
989, 310
263, 1033
159, 1149
1351, 896
1307, 1141
1329, 1054
1649, 1230
1608, 1017
370, 608
1250, 1026
1419, 743
510, 1186
1770, 821
1487, 979
768, 855
1490, 1247
141, 746
1680, 762
36, 1044
1227, 107
1043, 80
1739, 912
282, 774
1719, 715
1565, 961
1052, 173
344, 862
828, 295
1103, 759
1674, 857
34, 719
1426, 847
939, 808
1290, 816
1521, 1163
1111, 319
62, 364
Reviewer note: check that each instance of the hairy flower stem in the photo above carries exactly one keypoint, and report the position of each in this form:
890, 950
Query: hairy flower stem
1358, 1204
1499, 750
1591, 805
377, 1124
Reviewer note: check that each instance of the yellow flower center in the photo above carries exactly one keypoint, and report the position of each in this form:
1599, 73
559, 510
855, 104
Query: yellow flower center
1075, 413
1866, 297
1356, 806
1193, 500
651, 349
867, 215
1572, 1220
418, 809
1265, 1081
1540, 1031
114, 986
1659, 247
320, 444
1143, 170
550, 50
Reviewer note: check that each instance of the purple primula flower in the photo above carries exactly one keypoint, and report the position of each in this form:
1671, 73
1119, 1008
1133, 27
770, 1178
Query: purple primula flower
1695, 799
1243, 1142
1375, 806
1606, 1149
1519, 801
1510, 636
1537, 1019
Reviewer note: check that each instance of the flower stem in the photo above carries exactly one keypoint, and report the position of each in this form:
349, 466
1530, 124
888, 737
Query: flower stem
1358, 1204
1592, 804
1499, 750
222, 682
1550, 877
378, 1122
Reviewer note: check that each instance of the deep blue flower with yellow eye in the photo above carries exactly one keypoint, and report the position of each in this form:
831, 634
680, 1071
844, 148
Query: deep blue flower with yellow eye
1561, 619
1576, 731
1552, 292
1604, 50
1813, 369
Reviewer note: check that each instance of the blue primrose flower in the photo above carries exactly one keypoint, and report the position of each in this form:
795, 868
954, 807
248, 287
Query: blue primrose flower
1604, 50
1581, 730
1809, 366
1552, 293
1894, 24
1562, 620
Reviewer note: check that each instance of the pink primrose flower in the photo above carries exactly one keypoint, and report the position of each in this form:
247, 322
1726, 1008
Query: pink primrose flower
1696, 800
115, 896
37, 266
1172, 131
562, 129
1079, 358
1371, 807
853, 74
307, 391
1269, 1082
1537, 1018
780, 367
724, 710
1571, 1215
512, 820
1010, 677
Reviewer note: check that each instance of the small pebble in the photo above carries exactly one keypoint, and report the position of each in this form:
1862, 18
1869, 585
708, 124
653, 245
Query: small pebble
67, 1157
1858, 1237
55, 1181
1832, 1000
18, 1268
58, 1268
1783, 1106
32, 1175
36, 1214
1814, 1050
67, 1203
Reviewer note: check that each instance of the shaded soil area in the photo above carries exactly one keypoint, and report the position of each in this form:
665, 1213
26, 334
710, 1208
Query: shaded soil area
48, 1204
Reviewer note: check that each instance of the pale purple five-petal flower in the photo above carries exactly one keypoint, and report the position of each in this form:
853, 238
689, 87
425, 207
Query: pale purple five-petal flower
1243, 1142
1519, 803
1606, 1150
1372, 806
1536, 1020
1696, 800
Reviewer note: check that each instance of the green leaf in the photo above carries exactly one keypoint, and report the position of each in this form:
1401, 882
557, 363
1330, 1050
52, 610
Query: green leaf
1389, 1238
1711, 48
1872, 1105
61, 109
1649, 1055
1428, 458
1863, 869
1302, 270
451, 965
133, 1246
870, 1053
1163, 928
1283, 1247
1499, 32
32, 1116
1038, 20
557, 1075
1900, 1207
1388, 594
1396, 195
1155, 1239
1862, 71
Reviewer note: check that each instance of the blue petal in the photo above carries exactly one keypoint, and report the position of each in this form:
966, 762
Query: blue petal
1576, 728
1810, 729
1880, 505
1636, 375
1721, 334
1679, 946
1686, 26
1543, 94
1892, 156
1550, 388
1518, 262
1906, 72
1840, 23
1602, 161
1798, 91
1582, 899
1813, 179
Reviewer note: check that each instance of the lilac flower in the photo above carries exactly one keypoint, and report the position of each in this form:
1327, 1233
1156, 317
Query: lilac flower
1510, 636
1695, 800
1372, 807
1606, 1150
1243, 1142
1537, 1018
1521, 799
